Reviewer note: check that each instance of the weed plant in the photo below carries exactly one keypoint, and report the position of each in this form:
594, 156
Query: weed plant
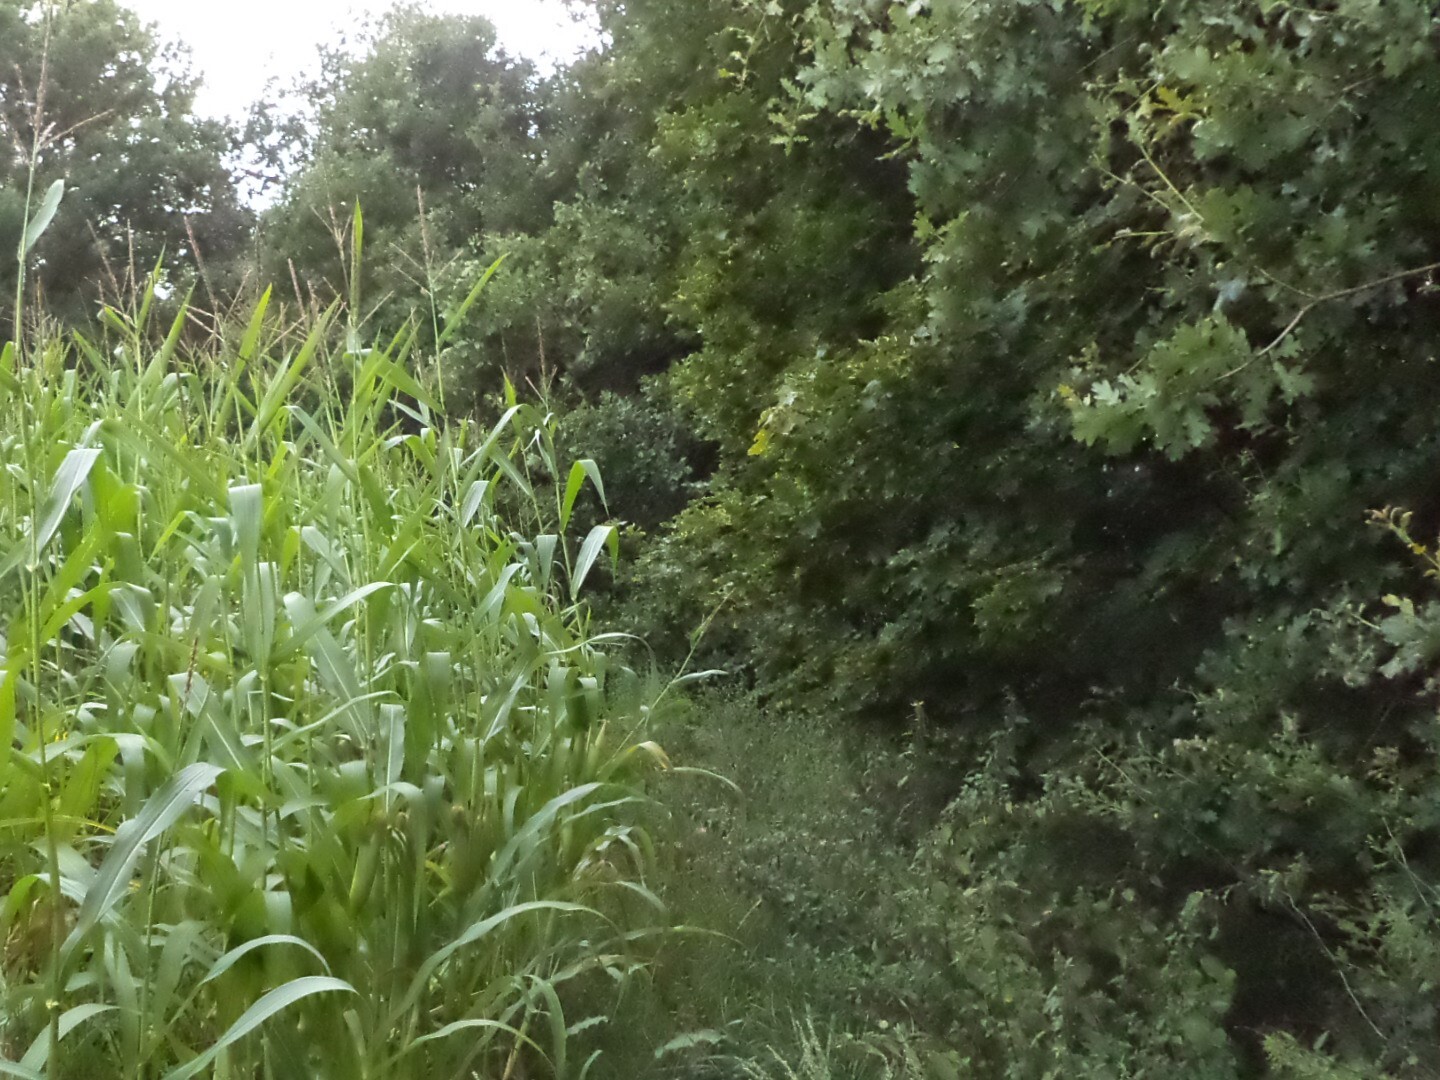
310, 764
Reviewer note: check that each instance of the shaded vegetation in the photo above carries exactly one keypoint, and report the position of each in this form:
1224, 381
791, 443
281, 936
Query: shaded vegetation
90, 96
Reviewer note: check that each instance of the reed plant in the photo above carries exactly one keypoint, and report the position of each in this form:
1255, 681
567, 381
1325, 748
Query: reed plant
310, 762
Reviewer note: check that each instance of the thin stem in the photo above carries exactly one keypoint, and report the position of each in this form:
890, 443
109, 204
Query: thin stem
1338, 294
37, 143
31, 589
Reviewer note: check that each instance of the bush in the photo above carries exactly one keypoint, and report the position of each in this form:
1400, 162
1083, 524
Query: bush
644, 453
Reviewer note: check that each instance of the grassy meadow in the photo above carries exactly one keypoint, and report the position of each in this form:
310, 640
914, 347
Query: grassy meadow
310, 763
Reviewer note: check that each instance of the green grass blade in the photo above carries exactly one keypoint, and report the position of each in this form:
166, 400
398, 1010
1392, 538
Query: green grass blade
43, 217
600, 537
474, 499
283, 382
9, 677
160, 365
474, 933
69, 478
402, 380
455, 319
161, 811
251, 339
226, 962
275, 1001
357, 264
477, 1024
39, 1053
530, 838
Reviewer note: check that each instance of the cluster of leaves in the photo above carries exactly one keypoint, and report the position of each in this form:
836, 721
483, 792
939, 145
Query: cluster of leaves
1099, 272
309, 762
88, 95
1238, 903
437, 132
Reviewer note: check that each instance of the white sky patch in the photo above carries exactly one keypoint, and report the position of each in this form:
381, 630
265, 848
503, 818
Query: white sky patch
237, 46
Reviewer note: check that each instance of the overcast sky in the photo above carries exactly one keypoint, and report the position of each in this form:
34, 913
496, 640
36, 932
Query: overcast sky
238, 45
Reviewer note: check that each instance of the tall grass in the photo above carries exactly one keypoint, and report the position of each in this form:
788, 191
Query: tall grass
309, 763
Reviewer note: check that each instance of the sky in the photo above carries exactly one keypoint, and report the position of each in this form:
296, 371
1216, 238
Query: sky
237, 46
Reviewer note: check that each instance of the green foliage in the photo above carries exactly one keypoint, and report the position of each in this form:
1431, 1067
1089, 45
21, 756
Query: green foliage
969, 948
1111, 435
312, 766
641, 449
91, 97
682, 225
1237, 899
434, 130
784, 872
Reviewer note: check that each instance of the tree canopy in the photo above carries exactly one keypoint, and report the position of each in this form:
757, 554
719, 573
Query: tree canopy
88, 94
418, 113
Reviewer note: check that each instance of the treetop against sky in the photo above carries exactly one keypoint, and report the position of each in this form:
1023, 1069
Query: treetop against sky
238, 47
